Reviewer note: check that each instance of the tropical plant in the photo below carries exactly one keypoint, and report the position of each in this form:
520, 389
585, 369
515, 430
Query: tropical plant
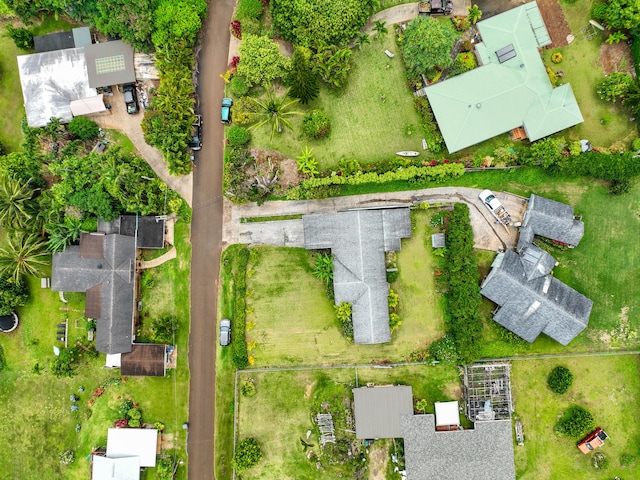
83, 128
307, 163
427, 44
380, 28
12, 294
333, 64
616, 37
164, 329
301, 80
238, 136
614, 86
248, 454
444, 350
323, 268
17, 206
560, 379
422, 405
261, 61
316, 124
361, 40
276, 110
22, 37
343, 314
474, 14
23, 254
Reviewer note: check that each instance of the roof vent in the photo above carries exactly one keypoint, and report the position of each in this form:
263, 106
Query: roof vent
478, 105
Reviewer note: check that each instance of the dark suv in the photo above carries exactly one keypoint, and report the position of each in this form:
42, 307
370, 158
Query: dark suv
130, 98
196, 134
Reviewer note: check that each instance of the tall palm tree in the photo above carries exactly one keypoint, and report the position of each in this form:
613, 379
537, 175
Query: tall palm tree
16, 202
24, 254
276, 111
380, 28
475, 14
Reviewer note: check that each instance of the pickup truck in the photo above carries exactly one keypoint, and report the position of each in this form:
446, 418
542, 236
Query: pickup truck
495, 207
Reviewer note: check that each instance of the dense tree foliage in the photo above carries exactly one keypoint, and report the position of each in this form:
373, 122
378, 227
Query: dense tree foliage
332, 64
83, 128
12, 294
178, 20
463, 297
620, 15
22, 37
618, 168
316, 124
560, 379
248, 454
131, 20
302, 81
576, 422
309, 22
261, 61
427, 44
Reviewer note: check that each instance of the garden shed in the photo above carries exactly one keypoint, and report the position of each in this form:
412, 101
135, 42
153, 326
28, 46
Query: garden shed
133, 442
378, 410
438, 240
145, 360
509, 89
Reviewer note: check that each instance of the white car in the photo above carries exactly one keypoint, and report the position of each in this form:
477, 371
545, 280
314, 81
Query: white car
225, 332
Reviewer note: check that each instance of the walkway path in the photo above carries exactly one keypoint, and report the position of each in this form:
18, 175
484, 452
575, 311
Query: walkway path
488, 235
170, 255
409, 11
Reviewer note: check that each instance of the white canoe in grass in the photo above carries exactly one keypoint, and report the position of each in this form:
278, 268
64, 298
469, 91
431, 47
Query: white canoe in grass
408, 154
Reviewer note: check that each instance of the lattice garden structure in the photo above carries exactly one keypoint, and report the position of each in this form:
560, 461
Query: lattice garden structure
325, 424
487, 390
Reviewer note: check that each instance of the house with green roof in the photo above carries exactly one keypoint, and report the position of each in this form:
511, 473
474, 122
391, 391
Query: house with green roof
510, 88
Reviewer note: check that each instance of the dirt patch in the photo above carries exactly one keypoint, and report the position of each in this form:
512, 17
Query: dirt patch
557, 25
616, 58
287, 168
452, 391
308, 389
378, 458
166, 441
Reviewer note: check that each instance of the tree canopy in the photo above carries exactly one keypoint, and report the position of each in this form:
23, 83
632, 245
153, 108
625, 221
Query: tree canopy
261, 61
307, 22
622, 14
427, 44
131, 20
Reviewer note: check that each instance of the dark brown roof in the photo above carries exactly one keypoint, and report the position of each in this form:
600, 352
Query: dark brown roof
145, 359
91, 245
93, 304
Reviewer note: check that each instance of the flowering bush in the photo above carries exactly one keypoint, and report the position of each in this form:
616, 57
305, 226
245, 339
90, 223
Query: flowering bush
556, 57
236, 29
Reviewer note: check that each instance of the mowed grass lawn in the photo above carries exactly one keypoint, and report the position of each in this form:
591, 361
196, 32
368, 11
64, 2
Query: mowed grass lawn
280, 412
363, 126
604, 123
291, 321
40, 424
609, 387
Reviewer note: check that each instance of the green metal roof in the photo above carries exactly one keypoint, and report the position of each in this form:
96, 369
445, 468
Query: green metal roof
500, 96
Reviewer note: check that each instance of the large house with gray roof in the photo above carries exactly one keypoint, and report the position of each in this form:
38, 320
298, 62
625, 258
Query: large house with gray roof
509, 90
103, 266
358, 240
531, 301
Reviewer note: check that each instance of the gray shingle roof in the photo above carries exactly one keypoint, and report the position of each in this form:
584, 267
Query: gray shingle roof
484, 453
378, 410
115, 273
358, 240
150, 231
550, 219
536, 303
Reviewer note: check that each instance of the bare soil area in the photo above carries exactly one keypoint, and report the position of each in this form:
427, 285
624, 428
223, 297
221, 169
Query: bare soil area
286, 167
378, 458
616, 58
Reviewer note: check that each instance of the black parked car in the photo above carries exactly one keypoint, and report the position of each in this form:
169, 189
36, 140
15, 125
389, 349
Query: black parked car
196, 134
130, 98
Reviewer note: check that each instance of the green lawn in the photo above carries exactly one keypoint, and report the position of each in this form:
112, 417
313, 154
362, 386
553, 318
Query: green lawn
604, 123
41, 424
290, 319
280, 413
362, 125
609, 387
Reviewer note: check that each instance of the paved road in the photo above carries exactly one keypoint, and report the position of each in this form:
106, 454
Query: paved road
206, 239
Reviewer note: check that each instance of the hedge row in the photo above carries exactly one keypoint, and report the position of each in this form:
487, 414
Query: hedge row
239, 344
463, 296
436, 173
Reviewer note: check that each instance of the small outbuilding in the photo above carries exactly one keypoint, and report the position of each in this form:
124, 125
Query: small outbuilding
124, 468
133, 442
438, 240
447, 416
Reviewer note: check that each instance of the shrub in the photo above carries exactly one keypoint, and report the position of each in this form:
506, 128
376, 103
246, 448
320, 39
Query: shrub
248, 388
236, 29
575, 422
22, 37
614, 86
248, 454
393, 300
164, 329
392, 276
343, 314
635, 53
600, 461
239, 345
556, 57
444, 350
238, 136
245, 111
626, 459
83, 128
394, 321
316, 124
636, 145
238, 87
67, 457
560, 379
249, 9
